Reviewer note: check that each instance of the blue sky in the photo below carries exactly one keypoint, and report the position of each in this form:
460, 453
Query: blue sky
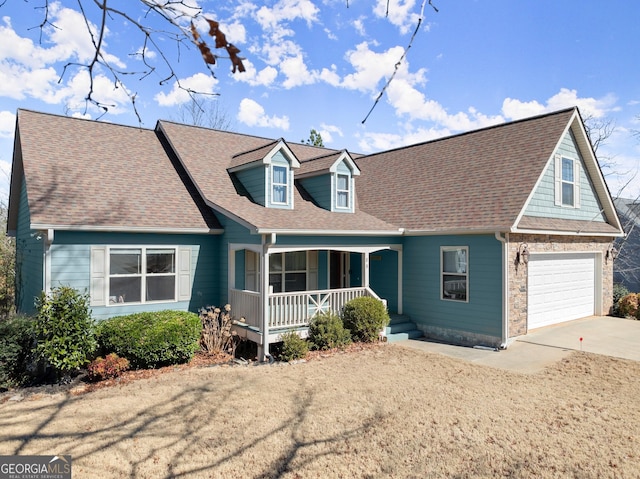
321, 64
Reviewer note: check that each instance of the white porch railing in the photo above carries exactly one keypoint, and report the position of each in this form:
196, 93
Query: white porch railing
288, 310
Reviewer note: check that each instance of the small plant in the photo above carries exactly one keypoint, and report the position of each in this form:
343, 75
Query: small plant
628, 306
109, 367
152, 339
326, 331
619, 291
216, 336
293, 347
64, 329
16, 356
365, 317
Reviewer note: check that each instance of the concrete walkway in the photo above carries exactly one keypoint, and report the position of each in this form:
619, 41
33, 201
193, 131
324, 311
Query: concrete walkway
616, 337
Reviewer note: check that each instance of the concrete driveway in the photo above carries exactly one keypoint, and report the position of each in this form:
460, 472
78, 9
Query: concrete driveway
616, 337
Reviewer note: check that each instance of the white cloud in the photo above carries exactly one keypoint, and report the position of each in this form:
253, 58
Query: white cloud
7, 124
251, 113
264, 77
296, 72
327, 132
372, 142
198, 83
399, 12
358, 24
370, 67
597, 108
287, 10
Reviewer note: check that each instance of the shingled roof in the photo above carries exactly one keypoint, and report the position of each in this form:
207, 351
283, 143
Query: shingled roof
206, 154
82, 174
476, 181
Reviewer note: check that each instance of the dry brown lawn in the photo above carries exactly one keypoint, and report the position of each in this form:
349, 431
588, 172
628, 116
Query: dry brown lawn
382, 412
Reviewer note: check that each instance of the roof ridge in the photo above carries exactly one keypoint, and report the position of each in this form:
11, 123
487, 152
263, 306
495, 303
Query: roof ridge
471, 132
88, 120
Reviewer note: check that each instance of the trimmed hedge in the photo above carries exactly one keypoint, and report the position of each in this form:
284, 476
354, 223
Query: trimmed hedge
293, 347
153, 339
365, 317
17, 340
326, 331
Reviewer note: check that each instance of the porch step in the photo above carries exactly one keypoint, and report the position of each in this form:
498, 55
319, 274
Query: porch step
400, 328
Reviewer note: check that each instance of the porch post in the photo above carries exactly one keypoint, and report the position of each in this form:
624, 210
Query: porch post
365, 273
263, 349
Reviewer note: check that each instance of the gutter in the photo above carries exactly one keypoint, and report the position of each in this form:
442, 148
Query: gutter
505, 289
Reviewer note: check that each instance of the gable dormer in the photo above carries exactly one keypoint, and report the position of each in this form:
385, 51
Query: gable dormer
329, 180
266, 173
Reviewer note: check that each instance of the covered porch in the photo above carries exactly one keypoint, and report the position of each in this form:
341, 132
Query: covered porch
303, 281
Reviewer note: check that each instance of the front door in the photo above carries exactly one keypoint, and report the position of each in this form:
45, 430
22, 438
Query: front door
338, 269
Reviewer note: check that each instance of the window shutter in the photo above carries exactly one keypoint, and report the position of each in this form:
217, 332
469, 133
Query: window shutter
558, 180
98, 286
184, 274
312, 277
576, 183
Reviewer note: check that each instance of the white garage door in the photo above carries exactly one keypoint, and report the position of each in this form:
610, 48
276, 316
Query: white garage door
561, 288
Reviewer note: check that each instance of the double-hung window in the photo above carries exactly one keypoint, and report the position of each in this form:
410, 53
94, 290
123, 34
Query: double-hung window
280, 184
567, 176
288, 271
342, 191
454, 272
141, 275
568, 182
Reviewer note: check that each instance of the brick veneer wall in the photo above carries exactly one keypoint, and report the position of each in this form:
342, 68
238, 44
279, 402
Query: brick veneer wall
551, 244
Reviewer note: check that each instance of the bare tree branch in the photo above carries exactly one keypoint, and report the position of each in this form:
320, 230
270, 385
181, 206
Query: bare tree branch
402, 57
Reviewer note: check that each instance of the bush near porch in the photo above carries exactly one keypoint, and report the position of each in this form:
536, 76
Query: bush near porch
365, 317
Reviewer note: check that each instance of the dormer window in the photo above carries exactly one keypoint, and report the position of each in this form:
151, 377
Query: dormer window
342, 191
280, 184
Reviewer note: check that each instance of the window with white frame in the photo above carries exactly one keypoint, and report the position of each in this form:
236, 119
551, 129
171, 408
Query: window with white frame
288, 271
567, 176
568, 181
141, 275
342, 191
454, 272
280, 184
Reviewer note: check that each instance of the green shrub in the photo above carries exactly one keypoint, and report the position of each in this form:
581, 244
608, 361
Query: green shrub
64, 329
293, 347
326, 331
628, 306
153, 339
365, 317
108, 367
619, 291
16, 355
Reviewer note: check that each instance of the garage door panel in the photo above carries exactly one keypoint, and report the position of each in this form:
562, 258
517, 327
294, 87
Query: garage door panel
561, 288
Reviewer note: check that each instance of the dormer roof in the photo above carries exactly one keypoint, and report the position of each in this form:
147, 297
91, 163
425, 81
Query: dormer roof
327, 164
262, 155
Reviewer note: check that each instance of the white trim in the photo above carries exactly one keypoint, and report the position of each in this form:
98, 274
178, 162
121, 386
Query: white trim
348, 249
126, 229
143, 274
286, 185
566, 233
299, 232
444, 249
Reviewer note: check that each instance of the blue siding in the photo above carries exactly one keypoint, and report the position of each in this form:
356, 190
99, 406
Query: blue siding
542, 202
421, 293
29, 258
383, 276
319, 187
254, 181
233, 233
71, 266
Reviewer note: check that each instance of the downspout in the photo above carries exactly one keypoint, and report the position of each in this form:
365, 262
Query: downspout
46, 270
505, 289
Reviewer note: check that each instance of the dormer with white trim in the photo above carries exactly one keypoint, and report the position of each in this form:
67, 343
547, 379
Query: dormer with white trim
266, 173
329, 180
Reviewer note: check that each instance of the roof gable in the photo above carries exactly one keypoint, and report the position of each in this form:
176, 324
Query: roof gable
263, 155
83, 174
328, 163
476, 181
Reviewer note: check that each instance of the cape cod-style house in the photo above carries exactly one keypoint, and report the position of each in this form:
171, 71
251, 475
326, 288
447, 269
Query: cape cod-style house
475, 238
